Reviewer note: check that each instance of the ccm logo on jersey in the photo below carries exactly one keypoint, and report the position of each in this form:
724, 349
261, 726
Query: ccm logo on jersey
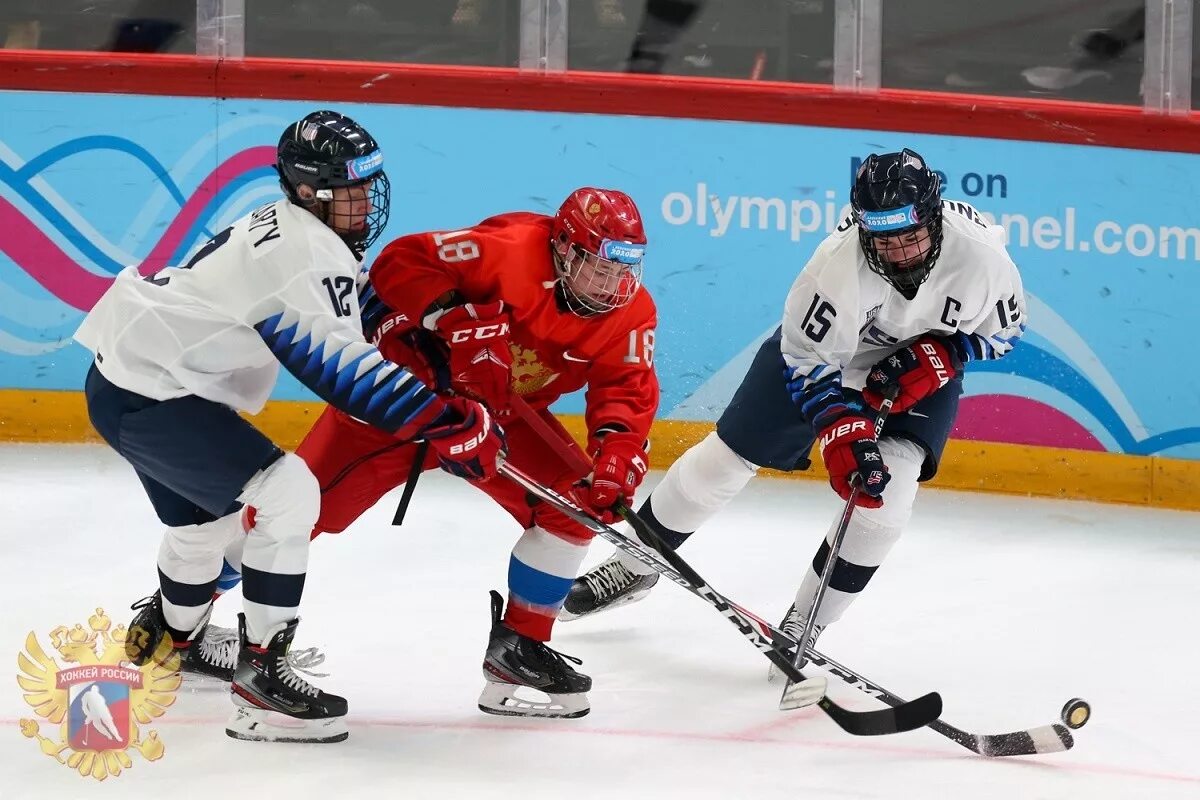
481, 332
845, 429
935, 361
474, 441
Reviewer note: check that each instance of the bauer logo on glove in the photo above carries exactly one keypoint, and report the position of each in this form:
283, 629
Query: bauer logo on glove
843, 430
916, 371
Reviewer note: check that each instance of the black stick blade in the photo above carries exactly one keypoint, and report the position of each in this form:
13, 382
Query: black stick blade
904, 717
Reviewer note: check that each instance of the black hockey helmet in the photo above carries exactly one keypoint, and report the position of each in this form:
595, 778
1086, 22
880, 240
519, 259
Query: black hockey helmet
895, 196
326, 151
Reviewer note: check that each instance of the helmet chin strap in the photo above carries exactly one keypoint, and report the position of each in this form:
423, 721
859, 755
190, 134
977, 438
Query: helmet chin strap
565, 299
319, 203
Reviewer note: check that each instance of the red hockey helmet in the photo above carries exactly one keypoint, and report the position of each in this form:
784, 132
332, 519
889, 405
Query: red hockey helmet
598, 243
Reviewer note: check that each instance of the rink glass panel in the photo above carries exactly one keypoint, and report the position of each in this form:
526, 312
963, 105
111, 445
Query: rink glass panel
1086, 50
464, 32
782, 40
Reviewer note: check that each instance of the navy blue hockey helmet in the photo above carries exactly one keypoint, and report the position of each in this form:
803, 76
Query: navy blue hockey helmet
326, 151
896, 201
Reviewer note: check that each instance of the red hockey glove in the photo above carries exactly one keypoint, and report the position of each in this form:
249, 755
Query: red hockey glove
848, 448
618, 468
396, 338
919, 370
480, 359
470, 445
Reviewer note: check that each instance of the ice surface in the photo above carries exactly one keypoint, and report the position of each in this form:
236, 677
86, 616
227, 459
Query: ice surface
1007, 606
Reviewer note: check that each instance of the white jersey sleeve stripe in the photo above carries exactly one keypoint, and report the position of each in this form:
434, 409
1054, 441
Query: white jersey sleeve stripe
352, 377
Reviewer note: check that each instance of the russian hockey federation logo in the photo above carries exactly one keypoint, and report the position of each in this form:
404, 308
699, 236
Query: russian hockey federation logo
98, 700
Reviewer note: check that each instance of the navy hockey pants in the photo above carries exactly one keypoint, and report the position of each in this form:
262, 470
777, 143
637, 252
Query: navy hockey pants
762, 424
192, 455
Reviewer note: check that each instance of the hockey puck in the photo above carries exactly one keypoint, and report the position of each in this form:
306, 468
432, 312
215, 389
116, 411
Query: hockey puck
1076, 713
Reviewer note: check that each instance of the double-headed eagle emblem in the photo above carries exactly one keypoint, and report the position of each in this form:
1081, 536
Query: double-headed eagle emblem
98, 699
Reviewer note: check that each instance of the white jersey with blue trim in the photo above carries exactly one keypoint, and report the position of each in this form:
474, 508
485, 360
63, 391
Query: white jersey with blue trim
277, 286
840, 316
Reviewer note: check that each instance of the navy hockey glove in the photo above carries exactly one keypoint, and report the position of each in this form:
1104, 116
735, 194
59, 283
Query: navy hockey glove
470, 445
918, 370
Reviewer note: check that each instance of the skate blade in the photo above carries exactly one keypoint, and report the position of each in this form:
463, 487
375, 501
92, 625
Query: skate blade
201, 682
501, 699
566, 616
803, 694
260, 725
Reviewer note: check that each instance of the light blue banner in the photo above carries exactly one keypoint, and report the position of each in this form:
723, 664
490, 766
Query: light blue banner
1107, 240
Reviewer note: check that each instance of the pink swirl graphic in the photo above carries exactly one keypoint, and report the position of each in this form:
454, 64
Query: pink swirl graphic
990, 418
46, 263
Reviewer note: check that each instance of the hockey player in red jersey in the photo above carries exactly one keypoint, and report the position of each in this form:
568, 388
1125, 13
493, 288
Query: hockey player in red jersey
524, 305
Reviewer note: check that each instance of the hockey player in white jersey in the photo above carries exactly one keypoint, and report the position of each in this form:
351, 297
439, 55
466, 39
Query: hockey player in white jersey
906, 292
180, 352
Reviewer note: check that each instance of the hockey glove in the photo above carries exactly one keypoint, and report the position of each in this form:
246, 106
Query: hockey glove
849, 450
480, 358
846, 437
919, 370
618, 468
397, 340
469, 445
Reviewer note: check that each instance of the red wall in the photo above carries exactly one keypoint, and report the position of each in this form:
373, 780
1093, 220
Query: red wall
746, 101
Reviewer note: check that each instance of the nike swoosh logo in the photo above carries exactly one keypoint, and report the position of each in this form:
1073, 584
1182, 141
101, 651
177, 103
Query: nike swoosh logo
567, 356
918, 414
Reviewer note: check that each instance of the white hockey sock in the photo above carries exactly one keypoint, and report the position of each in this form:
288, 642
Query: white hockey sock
696, 487
869, 537
287, 500
190, 560
231, 571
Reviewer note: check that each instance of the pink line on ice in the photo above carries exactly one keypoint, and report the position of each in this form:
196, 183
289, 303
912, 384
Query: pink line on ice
747, 736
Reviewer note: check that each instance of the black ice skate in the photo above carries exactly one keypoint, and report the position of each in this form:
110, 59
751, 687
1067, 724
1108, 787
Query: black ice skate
200, 653
274, 703
208, 652
517, 662
793, 625
607, 586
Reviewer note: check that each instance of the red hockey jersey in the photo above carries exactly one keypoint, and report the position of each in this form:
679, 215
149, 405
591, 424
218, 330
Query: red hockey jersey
555, 351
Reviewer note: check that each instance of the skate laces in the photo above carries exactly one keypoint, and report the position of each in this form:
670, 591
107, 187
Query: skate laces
304, 660
223, 644
220, 647
555, 661
140, 604
608, 578
291, 679
793, 625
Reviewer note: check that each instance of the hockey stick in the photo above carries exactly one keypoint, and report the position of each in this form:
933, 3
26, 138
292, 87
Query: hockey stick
794, 696
761, 634
1052, 738
410, 485
1045, 739
835, 548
